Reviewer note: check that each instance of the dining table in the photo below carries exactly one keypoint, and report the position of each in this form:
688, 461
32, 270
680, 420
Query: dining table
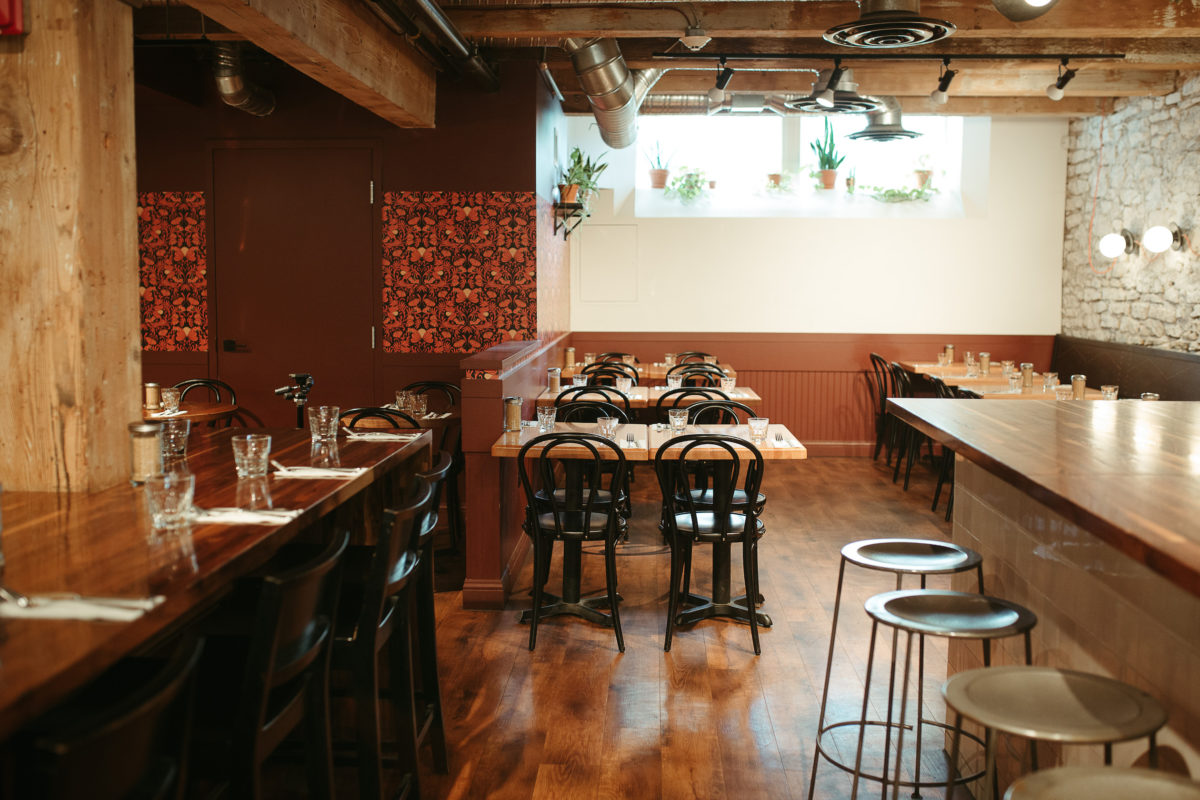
778, 445
103, 544
647, 396
196, 411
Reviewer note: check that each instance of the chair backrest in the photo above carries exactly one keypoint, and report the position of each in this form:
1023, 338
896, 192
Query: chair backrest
691, 355
436, 477
741, 460
882, 384
604, 394
127, 737
941, 389
220, 391
449, 393
293, 629
719, 412
609, 371
673, 398
588, 411
390, 416
901, 381
694, 368
569, 507
617, 357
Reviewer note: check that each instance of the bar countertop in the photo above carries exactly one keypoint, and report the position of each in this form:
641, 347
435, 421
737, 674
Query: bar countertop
103, 544
1127, 471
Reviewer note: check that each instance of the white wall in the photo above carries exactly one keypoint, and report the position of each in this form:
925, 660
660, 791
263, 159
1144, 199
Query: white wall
996, 270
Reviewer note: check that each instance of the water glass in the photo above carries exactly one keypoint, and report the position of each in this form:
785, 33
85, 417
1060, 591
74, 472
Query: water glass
674, 381
1149, 395
629, 359
1049, 381
418, 404
170, 399
323, 422
1006, 368
250, 454
169, 498
175, 437
254, 493
608, 427
758, 428
1014, 383
727, 384
710, 359
678, 420
668, 359
941, 359
1062, 391
324, 454
624, 385
1109, 391
403, 400
579, 380
972, 366
589, 358
545, 418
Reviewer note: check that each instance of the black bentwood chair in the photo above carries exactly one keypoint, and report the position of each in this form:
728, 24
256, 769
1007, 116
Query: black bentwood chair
881, 385
720, 523
685, 396
570, 498
447, 394
393, 418
605, 394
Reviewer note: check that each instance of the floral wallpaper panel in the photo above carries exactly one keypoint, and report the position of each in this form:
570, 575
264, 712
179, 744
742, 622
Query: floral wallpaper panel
173, 271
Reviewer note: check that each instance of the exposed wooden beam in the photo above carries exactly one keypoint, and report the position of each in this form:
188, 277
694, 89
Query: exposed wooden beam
340, 44
1097, 19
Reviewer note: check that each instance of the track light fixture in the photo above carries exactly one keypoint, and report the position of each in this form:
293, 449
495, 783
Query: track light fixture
1055, 90
1115, 245
827, 98
945, 77
724, 76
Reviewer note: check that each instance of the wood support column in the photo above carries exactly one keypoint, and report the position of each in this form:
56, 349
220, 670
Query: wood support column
69, 325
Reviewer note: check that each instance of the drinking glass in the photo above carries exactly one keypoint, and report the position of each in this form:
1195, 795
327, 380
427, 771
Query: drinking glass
710, 359
608, 427
678, 419
579, 380
250, 454
1149, 395
727, 384
1109, 391
403, 400
323, 422
674, 381
589, 358
254, 493
1014, 383
175, 437
1062, 391
624, 385
169, 498
971, 365
417, 405
668, 359
324, 454
941, 358
545, 418
170, 399
1049, 381
758, 428
629, 359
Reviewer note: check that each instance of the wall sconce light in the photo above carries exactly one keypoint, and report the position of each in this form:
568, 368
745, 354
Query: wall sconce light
827, 97
1115, 245
1160, 238
1055, 90
946, 75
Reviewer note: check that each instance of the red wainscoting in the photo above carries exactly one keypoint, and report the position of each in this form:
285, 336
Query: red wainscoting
814, 383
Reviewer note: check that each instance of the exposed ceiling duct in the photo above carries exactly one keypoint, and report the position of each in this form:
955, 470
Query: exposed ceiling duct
432, 33
889, 23
845, 100
884, 124
740, 103
232, 85
614, 91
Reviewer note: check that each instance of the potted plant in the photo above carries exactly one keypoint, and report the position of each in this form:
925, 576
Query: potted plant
923, 172
689, 186
579, 178
827, 157
850, 182
659, 167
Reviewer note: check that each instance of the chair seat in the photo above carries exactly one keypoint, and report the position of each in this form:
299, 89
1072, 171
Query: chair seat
1102, 783
704, 497
911, 556
602, 496
1054, 704
573, 524
713, 527
956, 615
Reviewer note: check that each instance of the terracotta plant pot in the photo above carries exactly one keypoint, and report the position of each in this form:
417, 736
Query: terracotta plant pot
658, 178
712, 184
922, 177
568, 193
776, 178
829, 178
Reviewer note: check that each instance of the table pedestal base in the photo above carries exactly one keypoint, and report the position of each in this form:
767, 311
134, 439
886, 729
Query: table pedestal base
553, 606
707, 608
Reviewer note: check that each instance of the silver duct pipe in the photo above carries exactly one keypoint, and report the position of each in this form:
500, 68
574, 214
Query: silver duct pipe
885, 123
740, 103
614, 91
465, 54
232, 85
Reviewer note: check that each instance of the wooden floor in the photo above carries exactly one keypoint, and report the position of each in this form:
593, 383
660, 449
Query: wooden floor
578, 719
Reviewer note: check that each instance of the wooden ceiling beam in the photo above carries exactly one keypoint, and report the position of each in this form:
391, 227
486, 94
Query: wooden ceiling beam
1099, 19
340, 44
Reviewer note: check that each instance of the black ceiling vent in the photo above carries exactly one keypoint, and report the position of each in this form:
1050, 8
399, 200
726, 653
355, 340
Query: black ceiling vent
889, 23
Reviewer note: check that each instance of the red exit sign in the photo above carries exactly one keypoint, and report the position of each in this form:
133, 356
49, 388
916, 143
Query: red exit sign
12, 17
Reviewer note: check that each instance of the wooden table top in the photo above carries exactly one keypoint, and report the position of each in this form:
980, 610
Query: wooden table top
1127, 471
957, 370
510, 442
103, 544
786, 448
648, 439
996, 391
647, 396
197, 411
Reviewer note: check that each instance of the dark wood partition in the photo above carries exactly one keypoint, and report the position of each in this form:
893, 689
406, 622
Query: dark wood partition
1135, 368
495, 545
814, 382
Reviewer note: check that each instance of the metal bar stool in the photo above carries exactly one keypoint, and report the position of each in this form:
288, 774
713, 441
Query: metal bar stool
1050, 704
1107, 783
923, 557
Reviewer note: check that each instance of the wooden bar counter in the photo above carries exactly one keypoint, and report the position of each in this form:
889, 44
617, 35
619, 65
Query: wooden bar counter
103, 544
1087, 513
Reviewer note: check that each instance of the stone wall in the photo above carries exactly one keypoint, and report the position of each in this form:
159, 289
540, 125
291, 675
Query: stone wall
1148, 154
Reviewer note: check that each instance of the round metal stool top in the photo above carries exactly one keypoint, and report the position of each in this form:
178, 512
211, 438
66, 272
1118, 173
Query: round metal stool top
1102, 783
1055, 705
956, 615
911, 556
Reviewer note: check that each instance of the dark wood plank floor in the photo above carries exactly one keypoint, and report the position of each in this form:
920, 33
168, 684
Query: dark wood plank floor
577, 719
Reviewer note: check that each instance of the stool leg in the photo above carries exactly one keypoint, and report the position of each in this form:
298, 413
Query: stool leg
1153, 751
1108, 754
979, 570
952, 767
990, 778
862, 729
920, 705
903, 710
887, 728
1033, 756
837, 607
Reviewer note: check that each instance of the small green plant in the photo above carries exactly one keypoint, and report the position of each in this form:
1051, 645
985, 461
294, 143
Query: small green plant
826, 150
780, 186
657, 159
689, 185
583, 171
901, 195
850, 183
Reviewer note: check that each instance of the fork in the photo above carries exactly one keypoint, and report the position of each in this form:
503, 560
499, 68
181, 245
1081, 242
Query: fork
629, 440
778, 439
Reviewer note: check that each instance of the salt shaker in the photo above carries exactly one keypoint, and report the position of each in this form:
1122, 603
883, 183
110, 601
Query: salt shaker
145, 451
1078, 386
949, 354
151, 397
569, 357
554, 379
985, 363
512, 413
1027, 374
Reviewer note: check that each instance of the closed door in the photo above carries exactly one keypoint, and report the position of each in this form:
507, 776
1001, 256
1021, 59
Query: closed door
293, 233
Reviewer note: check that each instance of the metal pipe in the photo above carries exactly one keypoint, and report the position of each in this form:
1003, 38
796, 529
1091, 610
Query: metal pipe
465, 54
614, 91
232, 85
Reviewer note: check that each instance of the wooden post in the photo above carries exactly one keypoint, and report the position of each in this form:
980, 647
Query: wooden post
69, 321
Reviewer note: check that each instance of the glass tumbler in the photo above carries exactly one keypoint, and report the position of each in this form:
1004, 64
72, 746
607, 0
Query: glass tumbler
1109, 391
608, 427
250, 454
545, 418
758, 428
678, 420
169, 498
323, 422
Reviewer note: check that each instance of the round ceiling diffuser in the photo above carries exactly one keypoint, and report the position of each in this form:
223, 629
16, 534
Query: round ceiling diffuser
887, 24
845, 99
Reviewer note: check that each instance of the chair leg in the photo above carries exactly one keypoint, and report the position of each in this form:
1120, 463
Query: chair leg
454, 519
672, 592
750, 576
610, 575
320, 746
540, 573
914, 453
366, 713
903, 444
404, 705
943, 473
431, 691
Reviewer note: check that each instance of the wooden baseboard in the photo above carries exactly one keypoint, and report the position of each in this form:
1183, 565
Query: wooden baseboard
483, 594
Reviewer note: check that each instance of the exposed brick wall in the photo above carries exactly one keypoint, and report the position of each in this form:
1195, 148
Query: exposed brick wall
1149, 175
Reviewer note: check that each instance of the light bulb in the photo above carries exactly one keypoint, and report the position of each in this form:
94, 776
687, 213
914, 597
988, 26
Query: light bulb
1054, 92
1113, 245
826, 98
1037, 3
1158, 239
939, 97
716, 95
